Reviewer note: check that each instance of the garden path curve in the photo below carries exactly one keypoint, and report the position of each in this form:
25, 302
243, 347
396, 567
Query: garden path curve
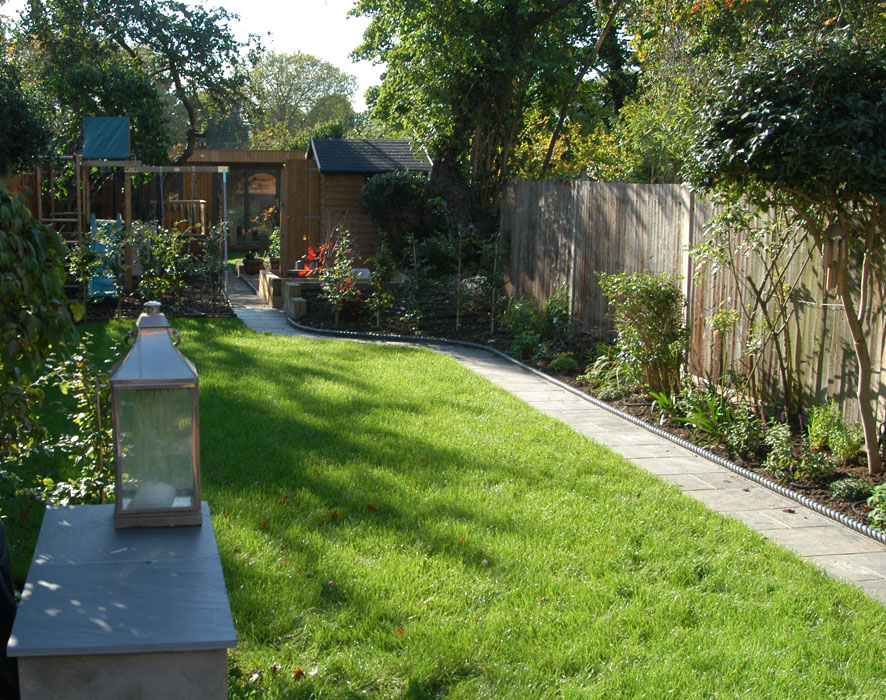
843, 553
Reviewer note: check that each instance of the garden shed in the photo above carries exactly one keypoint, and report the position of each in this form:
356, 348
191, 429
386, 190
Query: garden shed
342, 167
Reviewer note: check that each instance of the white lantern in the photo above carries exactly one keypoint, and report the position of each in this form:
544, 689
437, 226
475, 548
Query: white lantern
156, 429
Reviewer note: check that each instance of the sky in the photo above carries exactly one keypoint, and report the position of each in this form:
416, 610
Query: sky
318, 27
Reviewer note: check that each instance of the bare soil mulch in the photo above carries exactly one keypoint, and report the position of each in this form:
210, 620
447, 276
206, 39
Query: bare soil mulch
195, 301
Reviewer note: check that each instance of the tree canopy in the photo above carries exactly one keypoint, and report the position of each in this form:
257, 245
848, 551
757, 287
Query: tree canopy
461, 78
288, 93
97, 57
802, 126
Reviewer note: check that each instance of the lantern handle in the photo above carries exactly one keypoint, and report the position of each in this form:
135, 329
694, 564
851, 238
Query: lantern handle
130, 337
176, 338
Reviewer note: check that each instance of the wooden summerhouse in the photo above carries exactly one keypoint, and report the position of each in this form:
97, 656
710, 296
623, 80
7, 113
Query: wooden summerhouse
307, 193
314, 192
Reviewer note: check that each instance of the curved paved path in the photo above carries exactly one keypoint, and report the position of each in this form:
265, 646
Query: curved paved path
842, 552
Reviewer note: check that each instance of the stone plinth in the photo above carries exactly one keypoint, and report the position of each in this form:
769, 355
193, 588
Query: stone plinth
134, 613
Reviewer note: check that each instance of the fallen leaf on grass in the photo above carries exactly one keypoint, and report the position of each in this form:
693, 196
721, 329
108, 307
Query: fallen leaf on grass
371, 508
255, 677
297, 673
400, 631
275, 668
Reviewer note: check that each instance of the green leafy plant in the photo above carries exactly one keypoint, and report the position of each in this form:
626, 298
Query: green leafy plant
381, 299
609, 375
209, 263
648, 315
34, 318
524, 344
665, 402
780, 457
822, 420
845, 441
744, 435
339, 282
852, 489
708, 410
402, 206
877, 501
79, 375
165, 263
563, 362
814, 466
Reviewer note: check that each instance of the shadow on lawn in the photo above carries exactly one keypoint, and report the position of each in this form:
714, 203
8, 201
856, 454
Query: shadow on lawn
327, 461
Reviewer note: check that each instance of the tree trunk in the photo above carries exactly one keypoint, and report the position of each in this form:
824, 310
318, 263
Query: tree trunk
868, 422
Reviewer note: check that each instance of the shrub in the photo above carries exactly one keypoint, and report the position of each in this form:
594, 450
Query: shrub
877, 501
648, 314
563, 362
33, 318
822, 419
400, 203
524, 344
165, 264
549, 319
91, 447
815, 466
852, 489
744, 435
780, 458
381, 298
845, 442
339, 283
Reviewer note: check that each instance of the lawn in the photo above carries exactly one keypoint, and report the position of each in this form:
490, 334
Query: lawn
393, 526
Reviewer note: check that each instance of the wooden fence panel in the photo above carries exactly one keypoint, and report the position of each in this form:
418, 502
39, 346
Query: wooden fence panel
564, 233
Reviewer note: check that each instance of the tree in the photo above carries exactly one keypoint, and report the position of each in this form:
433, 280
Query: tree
23, 130
803, 126
461, 78
94, 57
677, 44
292, 92
191, 45
73, 72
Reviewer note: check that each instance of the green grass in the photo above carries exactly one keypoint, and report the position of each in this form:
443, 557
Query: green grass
394, 526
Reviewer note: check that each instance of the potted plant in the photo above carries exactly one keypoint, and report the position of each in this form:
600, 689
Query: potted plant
251, 264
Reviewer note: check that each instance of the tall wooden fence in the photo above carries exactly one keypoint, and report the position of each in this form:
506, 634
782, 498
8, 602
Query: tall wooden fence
563, 233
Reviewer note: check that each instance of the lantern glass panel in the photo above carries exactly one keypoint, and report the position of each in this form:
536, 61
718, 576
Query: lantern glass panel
155, 429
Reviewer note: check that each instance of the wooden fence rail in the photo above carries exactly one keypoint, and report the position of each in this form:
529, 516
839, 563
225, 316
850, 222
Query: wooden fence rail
563, 233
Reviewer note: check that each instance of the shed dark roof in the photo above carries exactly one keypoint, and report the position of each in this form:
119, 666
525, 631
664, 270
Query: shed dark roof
365, 156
